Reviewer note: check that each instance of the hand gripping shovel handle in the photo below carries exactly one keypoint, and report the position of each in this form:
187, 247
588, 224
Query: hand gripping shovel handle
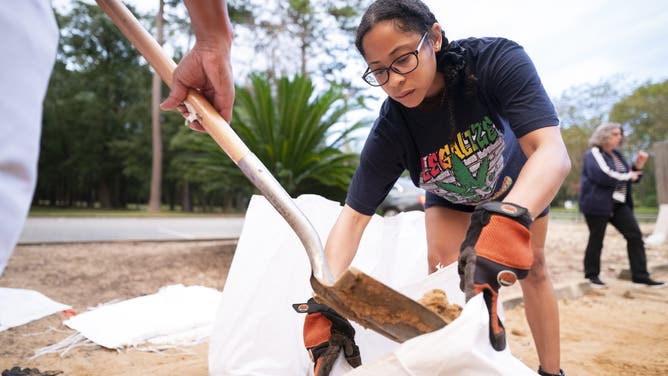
225, 137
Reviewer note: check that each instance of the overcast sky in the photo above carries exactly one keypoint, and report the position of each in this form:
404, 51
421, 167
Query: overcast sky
571, 42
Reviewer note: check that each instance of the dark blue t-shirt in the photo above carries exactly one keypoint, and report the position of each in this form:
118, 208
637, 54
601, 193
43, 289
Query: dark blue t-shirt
481, 160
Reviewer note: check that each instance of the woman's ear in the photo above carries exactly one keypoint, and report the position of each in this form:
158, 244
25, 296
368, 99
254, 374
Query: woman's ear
436, 37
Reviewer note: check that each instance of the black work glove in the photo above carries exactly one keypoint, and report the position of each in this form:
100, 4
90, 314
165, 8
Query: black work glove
496, 252
326, 333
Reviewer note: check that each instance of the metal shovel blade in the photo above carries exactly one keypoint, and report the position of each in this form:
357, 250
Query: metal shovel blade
374, 305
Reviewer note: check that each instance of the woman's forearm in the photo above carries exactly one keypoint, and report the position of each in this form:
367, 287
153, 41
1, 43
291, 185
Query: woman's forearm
344, 239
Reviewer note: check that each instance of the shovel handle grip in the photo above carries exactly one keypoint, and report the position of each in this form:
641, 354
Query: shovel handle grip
148, 47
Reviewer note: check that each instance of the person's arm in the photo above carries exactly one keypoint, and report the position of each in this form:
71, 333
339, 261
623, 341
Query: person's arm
210, 22
344, 239
641, 158
497, 251
207, 67
636, 169
543, 173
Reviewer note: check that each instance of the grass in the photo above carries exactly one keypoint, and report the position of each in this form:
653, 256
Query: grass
133, 213
637, 210
643, 214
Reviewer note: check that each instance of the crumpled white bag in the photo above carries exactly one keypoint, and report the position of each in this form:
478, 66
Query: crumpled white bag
174, 314
21, 306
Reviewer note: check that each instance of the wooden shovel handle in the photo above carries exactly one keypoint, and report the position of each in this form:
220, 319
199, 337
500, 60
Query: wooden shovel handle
147, 46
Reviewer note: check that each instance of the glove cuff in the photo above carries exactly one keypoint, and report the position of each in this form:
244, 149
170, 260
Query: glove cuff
543, 373
517, 213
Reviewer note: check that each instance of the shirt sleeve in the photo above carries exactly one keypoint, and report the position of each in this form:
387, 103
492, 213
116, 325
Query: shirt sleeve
380, 167
514, 86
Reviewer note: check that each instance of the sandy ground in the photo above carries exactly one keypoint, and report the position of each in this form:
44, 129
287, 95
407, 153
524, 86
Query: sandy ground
620, 330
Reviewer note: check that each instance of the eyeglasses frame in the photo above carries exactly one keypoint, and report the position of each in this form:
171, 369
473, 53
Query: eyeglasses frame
415, 53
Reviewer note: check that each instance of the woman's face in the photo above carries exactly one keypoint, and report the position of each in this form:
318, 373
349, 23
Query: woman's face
615, 138
385, 42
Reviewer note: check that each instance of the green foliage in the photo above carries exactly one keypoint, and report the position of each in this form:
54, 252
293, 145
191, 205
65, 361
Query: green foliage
96, 144
644, 116
98, 97
576, 140
290, 129
295, 132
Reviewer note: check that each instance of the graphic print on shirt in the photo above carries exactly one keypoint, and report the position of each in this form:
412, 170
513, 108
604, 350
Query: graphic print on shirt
466, 170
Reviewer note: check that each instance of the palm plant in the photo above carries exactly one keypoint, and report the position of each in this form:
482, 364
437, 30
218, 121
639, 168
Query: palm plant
294, 132
200, 164
297, 134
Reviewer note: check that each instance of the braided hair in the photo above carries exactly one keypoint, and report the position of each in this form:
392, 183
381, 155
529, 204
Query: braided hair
414, 16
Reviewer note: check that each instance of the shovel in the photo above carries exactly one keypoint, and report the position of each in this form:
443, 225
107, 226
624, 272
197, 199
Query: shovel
354, 295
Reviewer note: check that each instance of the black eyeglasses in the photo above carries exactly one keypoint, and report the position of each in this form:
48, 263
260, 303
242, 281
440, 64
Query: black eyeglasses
404, 64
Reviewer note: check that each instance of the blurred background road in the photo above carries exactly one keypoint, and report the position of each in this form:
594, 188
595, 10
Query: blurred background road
58, 230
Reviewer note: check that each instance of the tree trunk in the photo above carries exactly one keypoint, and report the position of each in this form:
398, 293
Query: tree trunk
156, 172
304, 50
104, 195
186, 206
661, 171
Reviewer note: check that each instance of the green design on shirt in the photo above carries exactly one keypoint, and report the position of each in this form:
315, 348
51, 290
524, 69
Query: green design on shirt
467, 185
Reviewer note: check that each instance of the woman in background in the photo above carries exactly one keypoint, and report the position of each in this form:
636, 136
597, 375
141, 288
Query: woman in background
605, 197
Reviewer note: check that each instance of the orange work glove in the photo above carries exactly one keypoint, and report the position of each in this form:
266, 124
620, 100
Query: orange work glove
496, 252
326, 333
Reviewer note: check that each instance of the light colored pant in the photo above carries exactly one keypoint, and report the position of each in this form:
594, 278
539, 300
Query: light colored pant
28, 46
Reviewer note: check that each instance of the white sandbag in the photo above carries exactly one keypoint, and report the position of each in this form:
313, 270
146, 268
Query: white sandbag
175, 314
21, 306
461, 348
257, 333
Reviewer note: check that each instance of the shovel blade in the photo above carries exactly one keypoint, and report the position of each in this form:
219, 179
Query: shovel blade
374, 305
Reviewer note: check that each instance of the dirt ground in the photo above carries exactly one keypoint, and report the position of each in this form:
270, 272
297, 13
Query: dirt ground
620, 330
